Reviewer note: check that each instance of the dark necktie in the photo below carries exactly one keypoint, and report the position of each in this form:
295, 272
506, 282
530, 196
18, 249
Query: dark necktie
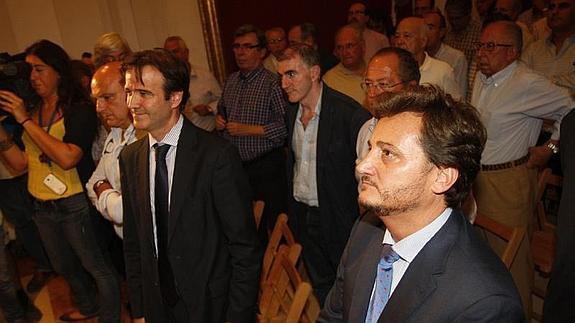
167, 285
382, 283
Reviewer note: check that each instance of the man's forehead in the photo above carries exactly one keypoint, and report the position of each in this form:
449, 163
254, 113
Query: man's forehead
357, 6
143, 77
246, 37
385, 65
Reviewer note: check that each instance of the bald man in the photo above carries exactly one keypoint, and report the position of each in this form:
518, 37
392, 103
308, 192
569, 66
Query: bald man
411, 35
104, 186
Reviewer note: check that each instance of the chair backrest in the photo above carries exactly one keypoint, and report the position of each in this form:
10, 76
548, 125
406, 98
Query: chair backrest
258, 207
285, 296
281, 233
512, 235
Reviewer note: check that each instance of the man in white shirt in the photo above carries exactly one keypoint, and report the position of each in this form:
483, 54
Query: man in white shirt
411, 35
413, 256
436, 48
554, 56
346, 77
103, 188
513, 100
205, 90
374, 41
276, 43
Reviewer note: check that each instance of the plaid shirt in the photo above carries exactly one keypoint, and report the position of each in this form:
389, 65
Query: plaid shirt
254, 98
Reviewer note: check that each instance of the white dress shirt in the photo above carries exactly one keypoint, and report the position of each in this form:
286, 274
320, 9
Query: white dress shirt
109, 203
434, 71
304, 143
171, 138
408, 247
204, 89
512, 104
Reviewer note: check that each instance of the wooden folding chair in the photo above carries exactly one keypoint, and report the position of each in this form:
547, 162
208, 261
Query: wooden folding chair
512, 235
281, 233
285, 296
258, 207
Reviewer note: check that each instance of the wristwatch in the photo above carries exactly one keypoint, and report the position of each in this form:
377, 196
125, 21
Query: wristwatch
554, 148
98, 183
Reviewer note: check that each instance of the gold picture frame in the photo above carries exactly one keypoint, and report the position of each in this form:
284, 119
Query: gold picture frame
212, 39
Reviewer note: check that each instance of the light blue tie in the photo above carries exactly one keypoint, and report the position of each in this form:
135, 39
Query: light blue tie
382, 283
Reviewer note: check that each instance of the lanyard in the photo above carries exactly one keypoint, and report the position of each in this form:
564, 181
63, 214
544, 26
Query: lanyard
43, 157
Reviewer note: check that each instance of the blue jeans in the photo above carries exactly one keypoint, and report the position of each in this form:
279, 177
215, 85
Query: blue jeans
67, 232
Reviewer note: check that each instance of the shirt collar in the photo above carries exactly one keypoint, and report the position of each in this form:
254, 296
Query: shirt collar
499, 77
408, 247
317, 105
250, 75
426, 63
172, 137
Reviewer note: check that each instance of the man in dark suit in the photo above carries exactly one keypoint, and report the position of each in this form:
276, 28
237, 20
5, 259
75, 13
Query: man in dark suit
424, 263
322, 132
189, 235
560, 299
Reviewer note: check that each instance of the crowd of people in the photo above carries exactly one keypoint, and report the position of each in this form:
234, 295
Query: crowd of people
139, 167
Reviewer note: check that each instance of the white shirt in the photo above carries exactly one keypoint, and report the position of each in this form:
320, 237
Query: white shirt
171, 138
434, 71
456, 59
109, 203
512, 104
304, 143
408, 247
204, 89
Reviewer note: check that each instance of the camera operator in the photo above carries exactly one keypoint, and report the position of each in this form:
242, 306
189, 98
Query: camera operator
58, 133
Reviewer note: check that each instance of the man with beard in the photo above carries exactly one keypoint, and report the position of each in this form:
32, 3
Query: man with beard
413, 257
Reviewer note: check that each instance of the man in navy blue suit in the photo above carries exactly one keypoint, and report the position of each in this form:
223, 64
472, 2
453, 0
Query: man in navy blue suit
424, 154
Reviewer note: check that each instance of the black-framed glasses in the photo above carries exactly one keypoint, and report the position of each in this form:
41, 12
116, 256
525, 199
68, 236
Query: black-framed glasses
489, 46
237, 46
368, 85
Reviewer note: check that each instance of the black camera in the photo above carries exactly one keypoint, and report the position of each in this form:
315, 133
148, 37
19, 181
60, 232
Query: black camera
15, 77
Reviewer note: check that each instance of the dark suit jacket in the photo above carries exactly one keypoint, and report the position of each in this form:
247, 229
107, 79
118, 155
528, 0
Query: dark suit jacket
454, 278
339, 122
212, 241
560, 298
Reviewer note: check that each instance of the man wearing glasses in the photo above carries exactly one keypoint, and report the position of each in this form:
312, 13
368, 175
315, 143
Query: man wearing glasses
513, 100
277, 42
374, 41
346, 77
322, 126
251, 116
390, 70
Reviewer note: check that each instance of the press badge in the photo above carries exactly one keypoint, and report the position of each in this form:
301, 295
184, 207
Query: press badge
55, 184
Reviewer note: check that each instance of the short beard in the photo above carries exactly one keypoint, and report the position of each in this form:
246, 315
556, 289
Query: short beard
392, 203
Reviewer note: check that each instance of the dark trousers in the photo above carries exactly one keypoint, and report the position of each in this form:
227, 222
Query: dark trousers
315, 249
16, 206
267, 176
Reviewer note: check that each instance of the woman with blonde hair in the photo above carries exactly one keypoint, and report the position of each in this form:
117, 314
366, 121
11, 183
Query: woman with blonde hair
110, 47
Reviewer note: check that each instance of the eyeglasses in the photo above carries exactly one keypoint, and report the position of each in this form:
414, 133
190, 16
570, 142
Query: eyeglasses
275, 41
356, 12
489, 46
346, 46
366, 86
244, 46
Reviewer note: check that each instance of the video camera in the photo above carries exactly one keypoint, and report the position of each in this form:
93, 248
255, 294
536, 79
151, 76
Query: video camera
15, 77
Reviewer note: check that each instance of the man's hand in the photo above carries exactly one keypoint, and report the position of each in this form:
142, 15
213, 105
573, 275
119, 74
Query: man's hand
220, 123
539, 156
202, 109
98, 189
242, 129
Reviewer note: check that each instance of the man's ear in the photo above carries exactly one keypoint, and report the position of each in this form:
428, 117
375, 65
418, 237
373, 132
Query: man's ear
176, 98
446, 177
315, 73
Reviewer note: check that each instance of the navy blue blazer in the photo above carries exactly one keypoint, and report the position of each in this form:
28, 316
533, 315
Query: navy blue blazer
454, 278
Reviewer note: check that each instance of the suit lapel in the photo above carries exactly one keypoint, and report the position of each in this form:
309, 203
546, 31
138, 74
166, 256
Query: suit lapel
142, 176
186, 160
420, 279
324, 128
366, 277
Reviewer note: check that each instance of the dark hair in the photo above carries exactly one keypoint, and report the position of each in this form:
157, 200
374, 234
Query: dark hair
175, 72
408, 67
452, 134
86, 55
70, 90
309, 55
308, 30
246, 29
